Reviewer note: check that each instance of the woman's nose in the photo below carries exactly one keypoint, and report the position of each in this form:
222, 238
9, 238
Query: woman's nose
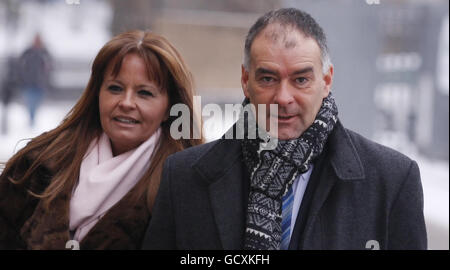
127, 100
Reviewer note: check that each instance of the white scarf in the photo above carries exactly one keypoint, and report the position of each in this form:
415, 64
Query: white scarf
105, 179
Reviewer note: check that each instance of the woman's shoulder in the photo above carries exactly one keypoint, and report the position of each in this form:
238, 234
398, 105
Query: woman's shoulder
25, 160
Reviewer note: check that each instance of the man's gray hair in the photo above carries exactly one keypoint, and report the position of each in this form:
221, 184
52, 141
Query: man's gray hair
301, 20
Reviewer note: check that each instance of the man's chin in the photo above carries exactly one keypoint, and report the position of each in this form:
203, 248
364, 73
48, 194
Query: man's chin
286, 134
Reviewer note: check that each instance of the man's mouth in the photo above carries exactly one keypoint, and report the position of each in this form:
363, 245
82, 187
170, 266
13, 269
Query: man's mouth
126, 120
285, 117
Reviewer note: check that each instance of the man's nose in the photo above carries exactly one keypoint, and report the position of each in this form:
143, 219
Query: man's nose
284, 95
127, 100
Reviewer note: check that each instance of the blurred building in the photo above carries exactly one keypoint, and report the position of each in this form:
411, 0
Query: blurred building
386, 56
390, 57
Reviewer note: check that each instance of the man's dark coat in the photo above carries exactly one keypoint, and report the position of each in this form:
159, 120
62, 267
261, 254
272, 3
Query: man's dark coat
358, 191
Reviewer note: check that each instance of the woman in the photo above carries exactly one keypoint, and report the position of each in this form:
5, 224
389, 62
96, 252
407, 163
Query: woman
94, 178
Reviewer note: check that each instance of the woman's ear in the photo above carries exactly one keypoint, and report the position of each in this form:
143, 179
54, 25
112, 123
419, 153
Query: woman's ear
166, 116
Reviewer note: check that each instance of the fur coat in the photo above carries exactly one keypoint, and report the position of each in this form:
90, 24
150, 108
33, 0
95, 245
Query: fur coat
26, 224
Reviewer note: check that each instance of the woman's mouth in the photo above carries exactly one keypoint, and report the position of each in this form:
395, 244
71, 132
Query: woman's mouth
125, 120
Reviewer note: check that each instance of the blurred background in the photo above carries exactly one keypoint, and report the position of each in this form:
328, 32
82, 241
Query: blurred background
391, 60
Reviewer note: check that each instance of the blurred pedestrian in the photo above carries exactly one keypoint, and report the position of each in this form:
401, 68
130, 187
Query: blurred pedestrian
35, 68
8, 89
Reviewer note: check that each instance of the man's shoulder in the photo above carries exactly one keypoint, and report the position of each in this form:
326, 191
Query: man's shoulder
377, 155
191, 155
193, 151
373, 147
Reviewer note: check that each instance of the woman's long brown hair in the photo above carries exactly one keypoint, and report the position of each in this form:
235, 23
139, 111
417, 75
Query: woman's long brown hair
66, 145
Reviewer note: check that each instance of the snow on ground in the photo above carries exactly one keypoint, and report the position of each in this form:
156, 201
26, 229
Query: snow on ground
435, 181
48, 116
435, 173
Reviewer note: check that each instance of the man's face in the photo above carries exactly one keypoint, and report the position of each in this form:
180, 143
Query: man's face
286, 69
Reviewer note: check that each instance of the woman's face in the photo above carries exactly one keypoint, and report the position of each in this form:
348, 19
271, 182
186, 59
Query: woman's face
131, 106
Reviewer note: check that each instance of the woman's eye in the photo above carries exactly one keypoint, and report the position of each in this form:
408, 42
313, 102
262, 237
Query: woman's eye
145, 93
114, 88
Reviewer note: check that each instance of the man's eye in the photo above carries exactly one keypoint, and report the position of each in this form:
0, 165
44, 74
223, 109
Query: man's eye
301, 80
267, 79
114, 88
145, 93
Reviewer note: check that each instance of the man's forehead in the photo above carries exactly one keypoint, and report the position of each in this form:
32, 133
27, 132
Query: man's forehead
287, 40
286, 35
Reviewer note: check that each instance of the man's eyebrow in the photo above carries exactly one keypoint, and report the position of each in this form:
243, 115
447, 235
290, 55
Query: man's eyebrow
265, 71
303, 70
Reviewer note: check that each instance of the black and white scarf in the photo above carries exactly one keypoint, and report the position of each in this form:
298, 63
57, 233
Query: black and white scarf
272, 172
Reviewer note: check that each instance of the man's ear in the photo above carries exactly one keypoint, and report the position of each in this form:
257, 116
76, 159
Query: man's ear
328, 80
244, 81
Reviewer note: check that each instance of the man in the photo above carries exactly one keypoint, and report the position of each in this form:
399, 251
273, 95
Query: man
322, 187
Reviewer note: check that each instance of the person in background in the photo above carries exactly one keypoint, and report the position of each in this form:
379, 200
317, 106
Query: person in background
93, 179
9, 88
35, 67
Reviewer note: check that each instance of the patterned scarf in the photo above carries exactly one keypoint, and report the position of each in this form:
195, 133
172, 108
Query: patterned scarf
272, 173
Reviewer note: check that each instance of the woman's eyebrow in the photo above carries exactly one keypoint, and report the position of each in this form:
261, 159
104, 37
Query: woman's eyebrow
303, 70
